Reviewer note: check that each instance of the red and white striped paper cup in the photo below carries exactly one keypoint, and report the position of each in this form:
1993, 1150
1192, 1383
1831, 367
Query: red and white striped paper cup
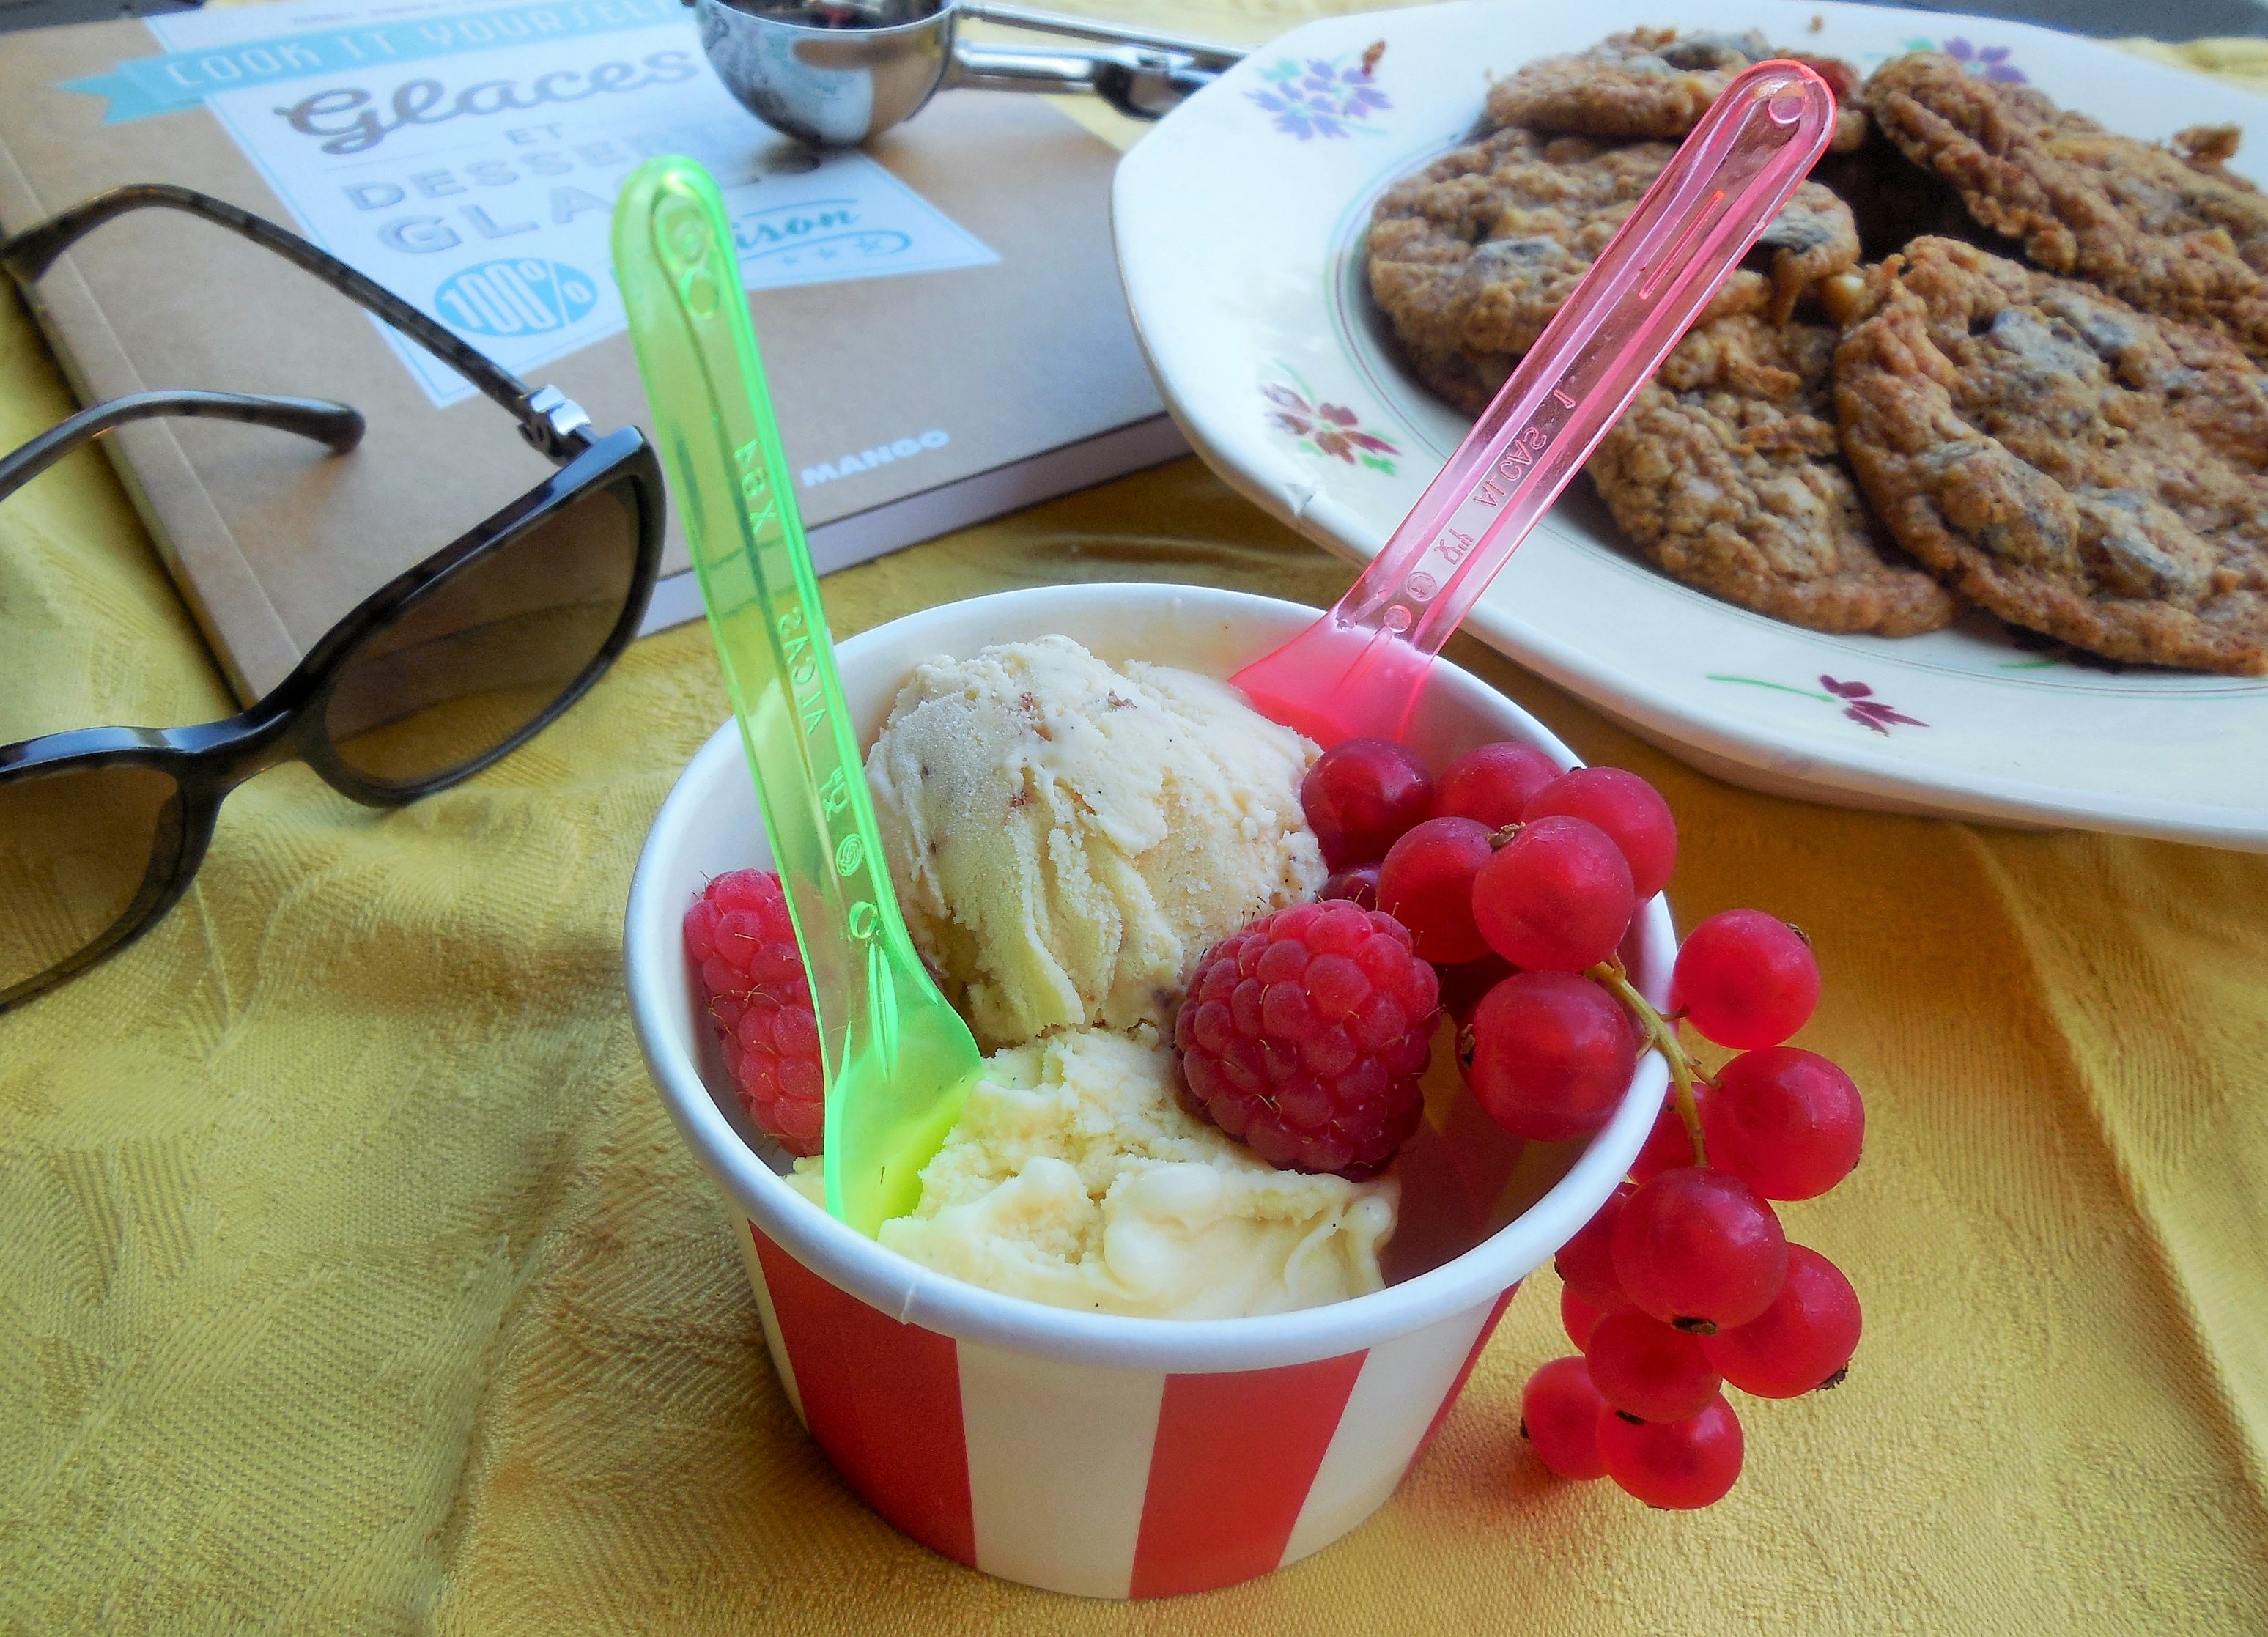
1082, 1452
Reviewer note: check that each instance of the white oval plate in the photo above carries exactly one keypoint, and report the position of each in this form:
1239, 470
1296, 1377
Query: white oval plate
1240, 222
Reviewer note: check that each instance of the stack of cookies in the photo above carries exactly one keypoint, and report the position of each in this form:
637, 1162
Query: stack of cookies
1989, 352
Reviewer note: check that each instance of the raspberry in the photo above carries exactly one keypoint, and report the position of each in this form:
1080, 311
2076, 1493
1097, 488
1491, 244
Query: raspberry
743, 950
1305, 1034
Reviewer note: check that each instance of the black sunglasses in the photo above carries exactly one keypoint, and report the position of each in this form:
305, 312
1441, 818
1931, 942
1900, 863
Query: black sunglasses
437, 674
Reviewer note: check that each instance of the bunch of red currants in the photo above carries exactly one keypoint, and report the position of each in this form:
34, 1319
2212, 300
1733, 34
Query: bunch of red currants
1520, 882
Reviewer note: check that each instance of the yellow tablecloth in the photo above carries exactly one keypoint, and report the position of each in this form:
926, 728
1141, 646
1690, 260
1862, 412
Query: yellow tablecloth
353, 1280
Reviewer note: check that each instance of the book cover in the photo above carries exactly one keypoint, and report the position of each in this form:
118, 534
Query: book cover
940, 312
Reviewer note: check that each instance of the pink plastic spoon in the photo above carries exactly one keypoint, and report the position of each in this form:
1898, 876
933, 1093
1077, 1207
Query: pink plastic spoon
1357, 670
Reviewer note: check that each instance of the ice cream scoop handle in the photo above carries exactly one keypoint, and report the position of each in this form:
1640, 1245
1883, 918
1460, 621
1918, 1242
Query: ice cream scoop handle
1204, 53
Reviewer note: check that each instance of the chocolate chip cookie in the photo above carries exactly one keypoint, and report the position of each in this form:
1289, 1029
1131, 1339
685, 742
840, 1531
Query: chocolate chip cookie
1472, 256
1654, 82
2170, 230
2077, 467
1725, 471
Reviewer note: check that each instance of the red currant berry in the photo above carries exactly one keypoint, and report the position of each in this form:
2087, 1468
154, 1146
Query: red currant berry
1643, 1367
1585, 1263
1629, 810
1465, 985
1670, 1144
1558, 898
1360, 796
1426, 883
1579, 1318
1560, 1415
1549, 1055
1358, 886
1492, 784
1677, 1465
1805, 1339
1697, 1247
1785, 1121
1744, 979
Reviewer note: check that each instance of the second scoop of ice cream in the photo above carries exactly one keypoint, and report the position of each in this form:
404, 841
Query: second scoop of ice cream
1067, 837
1074, 1178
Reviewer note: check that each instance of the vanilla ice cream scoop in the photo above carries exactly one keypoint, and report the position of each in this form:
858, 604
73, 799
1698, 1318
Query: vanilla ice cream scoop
1075, 1178
1068, 836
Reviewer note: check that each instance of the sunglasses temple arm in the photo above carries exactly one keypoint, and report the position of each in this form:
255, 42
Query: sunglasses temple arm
334, 424
559, 436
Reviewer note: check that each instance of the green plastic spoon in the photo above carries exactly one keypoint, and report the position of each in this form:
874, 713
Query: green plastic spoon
899, 1059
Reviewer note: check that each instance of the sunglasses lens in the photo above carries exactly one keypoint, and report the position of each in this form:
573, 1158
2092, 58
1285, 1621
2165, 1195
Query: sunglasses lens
77, 850
484, 653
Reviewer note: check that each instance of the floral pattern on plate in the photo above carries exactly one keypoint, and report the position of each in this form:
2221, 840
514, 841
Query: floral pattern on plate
1856, 698
1985, 61
1329, 428
1323, 97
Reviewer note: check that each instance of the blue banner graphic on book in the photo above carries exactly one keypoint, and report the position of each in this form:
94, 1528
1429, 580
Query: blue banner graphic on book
182, 79
467, 157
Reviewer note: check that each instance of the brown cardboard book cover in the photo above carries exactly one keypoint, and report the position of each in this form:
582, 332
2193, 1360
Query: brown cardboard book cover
939, 312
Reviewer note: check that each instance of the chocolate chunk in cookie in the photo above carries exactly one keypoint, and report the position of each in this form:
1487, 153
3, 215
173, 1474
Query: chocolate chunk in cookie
1472, 256
2075, 466
1654, 82
2170, 231
1894, 202
1727, 472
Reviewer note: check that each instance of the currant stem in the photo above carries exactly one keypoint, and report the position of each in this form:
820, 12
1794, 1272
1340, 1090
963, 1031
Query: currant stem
1661, 1035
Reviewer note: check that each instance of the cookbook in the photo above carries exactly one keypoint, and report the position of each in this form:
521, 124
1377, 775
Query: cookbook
940, 312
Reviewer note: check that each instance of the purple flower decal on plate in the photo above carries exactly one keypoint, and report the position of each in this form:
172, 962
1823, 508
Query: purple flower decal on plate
1985, 61
1862, 707
1320, 98
1329, 428
1857, 699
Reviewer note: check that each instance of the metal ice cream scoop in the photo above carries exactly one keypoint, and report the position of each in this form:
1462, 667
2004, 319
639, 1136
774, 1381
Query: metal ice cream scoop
836, 72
